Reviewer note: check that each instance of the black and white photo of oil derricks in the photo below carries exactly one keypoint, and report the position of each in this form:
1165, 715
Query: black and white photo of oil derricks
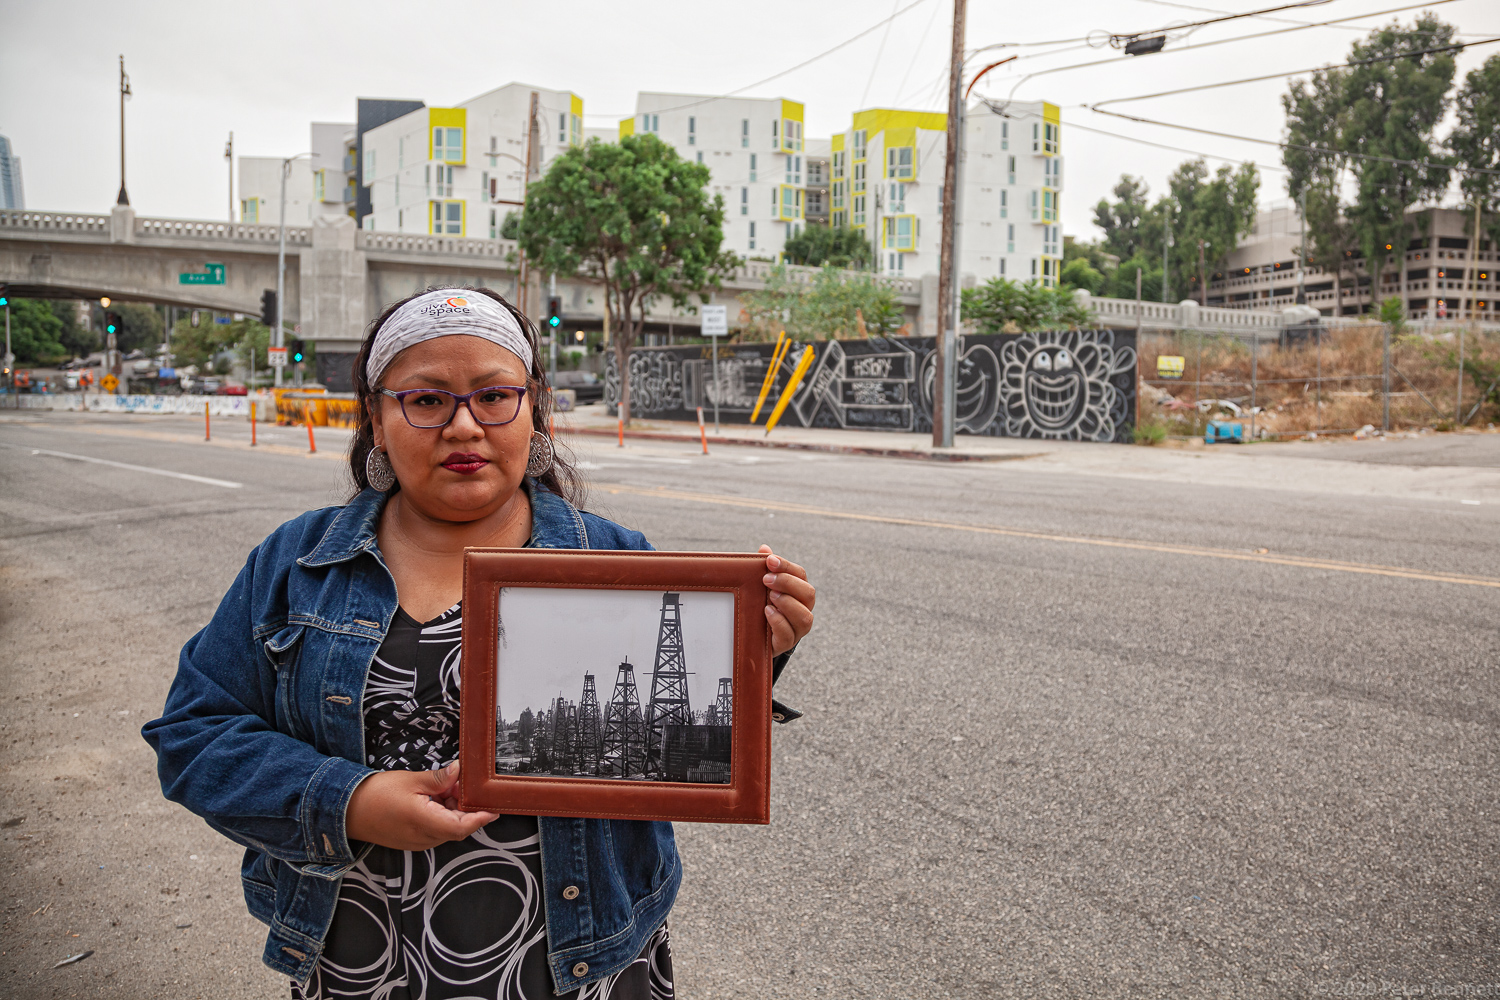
631, 684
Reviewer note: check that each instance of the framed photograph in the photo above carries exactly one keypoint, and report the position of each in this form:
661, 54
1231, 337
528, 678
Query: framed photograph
617, 685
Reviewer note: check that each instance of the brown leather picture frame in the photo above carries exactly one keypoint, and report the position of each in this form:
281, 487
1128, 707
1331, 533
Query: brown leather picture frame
743, 798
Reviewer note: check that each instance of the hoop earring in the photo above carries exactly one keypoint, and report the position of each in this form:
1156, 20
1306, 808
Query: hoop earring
540, 461
378, 471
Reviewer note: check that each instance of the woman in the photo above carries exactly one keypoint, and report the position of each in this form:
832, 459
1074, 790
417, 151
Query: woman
315, 719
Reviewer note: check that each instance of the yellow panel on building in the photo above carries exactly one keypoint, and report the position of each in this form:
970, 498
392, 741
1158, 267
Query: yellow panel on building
439, 122
627, 126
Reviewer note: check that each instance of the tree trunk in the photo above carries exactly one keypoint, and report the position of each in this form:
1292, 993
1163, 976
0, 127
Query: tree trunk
624, 337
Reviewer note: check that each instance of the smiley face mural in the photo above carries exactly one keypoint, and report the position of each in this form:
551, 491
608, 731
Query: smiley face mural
1061, 384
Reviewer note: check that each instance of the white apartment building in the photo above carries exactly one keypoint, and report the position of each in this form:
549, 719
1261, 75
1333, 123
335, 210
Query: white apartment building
755, 153
887, 179
316, 186
457, 171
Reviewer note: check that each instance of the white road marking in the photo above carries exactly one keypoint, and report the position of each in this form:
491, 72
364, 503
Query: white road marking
139, 468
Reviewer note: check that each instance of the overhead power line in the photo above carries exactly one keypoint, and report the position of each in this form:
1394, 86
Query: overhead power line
1118, 37
1225, 41
1458, 46
1295, 145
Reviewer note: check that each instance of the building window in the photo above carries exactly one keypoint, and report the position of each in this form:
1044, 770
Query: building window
838, 194
562, 127
400, 221
752, 168
1004, 208
1034, 205
317, 185
1049, 206
650, 123
794, 170
744, 133
752, 236
250, 210
1049, 139
1010, 238
1011, 170
1002, 267
901, 163
745, 201
900, 232
700, 156
815, 172
1049, 240
859, 210
840, 160
448, 144
1033, 267
448, 218
1052, 170
1036, 138
859, 178
398, 189
859, 144
1004, 144
898, 197
494, 226
776, 132
693, 135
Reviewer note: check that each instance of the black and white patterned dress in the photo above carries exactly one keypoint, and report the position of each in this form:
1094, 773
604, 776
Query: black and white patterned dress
464, 919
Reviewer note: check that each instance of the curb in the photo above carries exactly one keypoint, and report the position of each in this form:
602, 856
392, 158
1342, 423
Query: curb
840, 449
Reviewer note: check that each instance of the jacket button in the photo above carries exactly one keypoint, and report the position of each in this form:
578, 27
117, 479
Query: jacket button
581, 969
571, 892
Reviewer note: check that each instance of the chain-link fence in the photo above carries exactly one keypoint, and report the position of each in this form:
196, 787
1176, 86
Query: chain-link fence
1320, 381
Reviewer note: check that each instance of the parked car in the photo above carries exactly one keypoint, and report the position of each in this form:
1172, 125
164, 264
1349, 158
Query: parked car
232, 390
586, 386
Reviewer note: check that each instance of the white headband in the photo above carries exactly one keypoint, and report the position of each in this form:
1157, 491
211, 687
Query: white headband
445, 312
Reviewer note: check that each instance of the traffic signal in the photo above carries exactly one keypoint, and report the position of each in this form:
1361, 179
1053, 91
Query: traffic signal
268, 307
295, 351
112, 322
554, 312
4, 299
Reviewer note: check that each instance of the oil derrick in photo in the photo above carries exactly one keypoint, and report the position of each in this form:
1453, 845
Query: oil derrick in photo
588, 733
563, 721
623, 752
669, 691
724, 704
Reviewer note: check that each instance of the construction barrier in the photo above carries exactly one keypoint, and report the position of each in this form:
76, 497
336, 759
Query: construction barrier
297, 407
103, 402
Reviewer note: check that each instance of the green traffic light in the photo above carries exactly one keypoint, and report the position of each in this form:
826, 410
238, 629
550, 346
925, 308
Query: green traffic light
297, 356
555, 321
4, 301
110, 328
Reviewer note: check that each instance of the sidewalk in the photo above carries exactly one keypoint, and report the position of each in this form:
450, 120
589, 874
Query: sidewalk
593, 420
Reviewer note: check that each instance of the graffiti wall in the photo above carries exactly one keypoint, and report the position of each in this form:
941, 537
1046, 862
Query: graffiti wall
1076, 385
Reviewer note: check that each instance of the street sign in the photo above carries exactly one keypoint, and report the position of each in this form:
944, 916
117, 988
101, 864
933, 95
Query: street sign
715, 321
1170, 365
276, 356
109, 383
213, 274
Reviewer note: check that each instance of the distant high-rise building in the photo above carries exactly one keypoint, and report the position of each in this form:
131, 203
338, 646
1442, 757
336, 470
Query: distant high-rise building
12, 194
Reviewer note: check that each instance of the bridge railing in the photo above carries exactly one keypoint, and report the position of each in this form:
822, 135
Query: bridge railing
57, 222
372, 241
755, 273
191, 229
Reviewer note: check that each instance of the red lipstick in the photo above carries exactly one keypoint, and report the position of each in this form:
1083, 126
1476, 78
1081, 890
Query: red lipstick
465, 463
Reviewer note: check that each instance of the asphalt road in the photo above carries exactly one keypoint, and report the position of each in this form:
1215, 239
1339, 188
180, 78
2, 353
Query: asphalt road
1067, 734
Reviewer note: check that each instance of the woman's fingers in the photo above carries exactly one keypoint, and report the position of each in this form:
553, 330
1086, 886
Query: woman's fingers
790, 603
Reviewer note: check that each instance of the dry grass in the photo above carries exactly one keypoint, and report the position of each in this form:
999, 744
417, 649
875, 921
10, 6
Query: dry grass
1350, 361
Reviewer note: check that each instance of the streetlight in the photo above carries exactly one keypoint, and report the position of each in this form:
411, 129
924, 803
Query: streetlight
286, 169
123, 199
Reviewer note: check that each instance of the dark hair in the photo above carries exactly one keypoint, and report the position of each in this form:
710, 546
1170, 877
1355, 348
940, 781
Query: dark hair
562, 479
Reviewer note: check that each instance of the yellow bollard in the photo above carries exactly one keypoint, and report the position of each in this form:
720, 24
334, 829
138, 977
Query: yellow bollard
783, 343
803, 364
205, 421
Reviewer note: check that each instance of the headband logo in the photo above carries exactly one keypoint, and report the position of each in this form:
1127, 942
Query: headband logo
456, 306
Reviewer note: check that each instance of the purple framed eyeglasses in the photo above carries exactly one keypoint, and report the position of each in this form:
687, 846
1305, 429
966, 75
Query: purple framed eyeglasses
429, 408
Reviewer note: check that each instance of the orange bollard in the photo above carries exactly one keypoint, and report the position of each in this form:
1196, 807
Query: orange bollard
552, 425
252, 423
312, 446
702, 434
622, 432
205, 421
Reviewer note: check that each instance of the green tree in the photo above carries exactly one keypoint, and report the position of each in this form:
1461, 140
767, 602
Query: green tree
35, 332
1079, 273
1475, 144
1217, 209
635, 217
833, 304
1316, 116
1394, 105
141, 326
838, 246
77, 338
1004, 306
201, 345
1121, 219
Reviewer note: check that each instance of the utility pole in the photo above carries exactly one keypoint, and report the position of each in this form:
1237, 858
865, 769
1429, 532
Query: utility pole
1302, 248
947, 344
276, 334
229, 162
524, 274
552, 332
1202, 275
123, 199
1166, 245
1458, 412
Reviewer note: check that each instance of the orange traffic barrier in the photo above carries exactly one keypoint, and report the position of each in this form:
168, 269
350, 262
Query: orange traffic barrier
252, 423
312, 446
622, 432
205, 421
702, 434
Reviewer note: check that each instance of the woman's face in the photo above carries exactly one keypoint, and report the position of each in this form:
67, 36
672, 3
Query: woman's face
465, 470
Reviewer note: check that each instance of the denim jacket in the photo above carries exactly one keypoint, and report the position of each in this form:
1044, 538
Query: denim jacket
263, 736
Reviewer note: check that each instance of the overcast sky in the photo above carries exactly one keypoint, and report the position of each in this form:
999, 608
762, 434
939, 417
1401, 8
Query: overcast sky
265, 70
554, 636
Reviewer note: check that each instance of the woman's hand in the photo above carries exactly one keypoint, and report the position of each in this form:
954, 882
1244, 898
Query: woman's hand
790, 610
411, 810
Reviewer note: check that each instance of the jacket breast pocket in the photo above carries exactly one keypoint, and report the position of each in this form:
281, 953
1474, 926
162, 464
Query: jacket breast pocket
284, 650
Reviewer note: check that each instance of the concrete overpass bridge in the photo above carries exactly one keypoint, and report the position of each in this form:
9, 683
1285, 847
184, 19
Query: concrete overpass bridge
339, 278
